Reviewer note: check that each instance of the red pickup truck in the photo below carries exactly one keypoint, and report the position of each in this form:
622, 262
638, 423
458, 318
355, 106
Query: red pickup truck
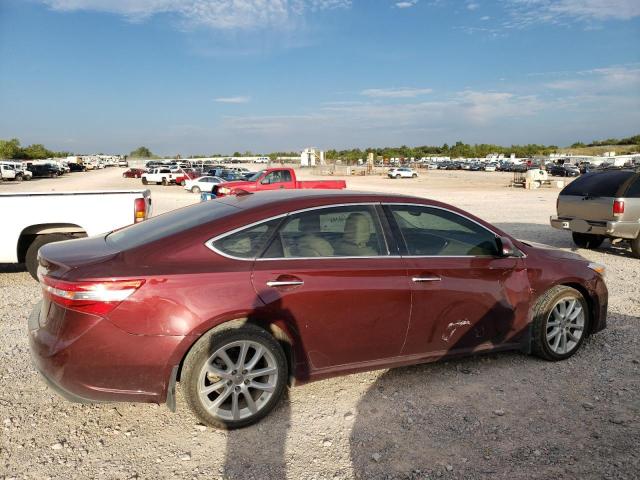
274, 179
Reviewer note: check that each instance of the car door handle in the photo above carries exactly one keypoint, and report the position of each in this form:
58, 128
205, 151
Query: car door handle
284, 283
426, 278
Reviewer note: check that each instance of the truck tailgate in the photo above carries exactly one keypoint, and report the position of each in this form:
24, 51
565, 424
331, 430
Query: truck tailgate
585, 208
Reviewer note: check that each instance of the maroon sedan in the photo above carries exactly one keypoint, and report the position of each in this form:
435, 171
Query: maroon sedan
238, 297
133, 173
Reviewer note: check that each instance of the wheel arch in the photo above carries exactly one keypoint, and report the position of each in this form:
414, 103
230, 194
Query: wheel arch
280, 332
29, 234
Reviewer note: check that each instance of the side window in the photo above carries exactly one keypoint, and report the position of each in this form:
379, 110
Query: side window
634, 189
434, 232
278, 176
249, 242
351, 231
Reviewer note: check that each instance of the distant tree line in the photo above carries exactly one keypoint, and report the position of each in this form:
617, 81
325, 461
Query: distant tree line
634, 140
12, 150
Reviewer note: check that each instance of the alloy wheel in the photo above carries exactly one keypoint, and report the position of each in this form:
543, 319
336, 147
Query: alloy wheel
238, 380
565, 325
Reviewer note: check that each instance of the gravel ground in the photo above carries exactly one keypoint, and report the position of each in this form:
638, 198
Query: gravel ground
493, 416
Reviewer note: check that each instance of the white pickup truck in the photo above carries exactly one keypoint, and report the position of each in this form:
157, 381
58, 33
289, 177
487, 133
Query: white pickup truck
163, 176
31, 220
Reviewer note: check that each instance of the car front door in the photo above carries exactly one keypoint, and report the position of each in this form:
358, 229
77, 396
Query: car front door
465, 297
328, 273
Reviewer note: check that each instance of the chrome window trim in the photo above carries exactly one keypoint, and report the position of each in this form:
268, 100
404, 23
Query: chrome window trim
209, 243
496, 235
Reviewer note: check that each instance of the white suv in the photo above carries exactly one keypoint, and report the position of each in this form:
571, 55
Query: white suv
402, 172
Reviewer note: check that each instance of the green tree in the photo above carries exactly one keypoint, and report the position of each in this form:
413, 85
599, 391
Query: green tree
141, 152
10, 149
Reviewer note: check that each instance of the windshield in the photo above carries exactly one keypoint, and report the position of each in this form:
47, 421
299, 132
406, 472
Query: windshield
255, 176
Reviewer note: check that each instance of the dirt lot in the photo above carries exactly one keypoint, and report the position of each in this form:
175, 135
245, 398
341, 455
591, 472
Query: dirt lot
495, 416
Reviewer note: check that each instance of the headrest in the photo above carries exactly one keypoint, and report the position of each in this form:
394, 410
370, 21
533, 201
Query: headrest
357, 229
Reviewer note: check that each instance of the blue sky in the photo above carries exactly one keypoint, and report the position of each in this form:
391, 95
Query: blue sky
204, 76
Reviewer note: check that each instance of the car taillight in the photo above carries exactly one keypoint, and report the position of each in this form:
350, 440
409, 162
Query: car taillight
98, 298
139, 210
618, 207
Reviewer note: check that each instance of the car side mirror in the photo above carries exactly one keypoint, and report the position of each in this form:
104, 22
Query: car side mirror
506, 248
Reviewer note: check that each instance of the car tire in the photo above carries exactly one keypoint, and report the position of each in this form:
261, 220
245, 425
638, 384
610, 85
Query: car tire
635, 246
182, 183
229, 338
397, 177
164, 182
587, 240
31, 257
145, 181
415, 175
195, 190
549, 319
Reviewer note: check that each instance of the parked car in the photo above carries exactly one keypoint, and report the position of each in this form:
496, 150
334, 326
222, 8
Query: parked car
123, 163
133, 173
31, 220
77, 167
565, 170
44, 170
159, 176
402, 172
8, 172
490, 167
274, 179
599, 205
185, 174
202, 184
230, 176
234, 298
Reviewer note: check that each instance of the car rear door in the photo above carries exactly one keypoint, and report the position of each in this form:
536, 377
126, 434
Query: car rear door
337, 285
464, 297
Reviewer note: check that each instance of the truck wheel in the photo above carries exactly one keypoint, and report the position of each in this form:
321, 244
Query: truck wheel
415, 175
195, 189
164, 182
144, 181
397, 177
31, 258
587, 240
18, 178
635, 246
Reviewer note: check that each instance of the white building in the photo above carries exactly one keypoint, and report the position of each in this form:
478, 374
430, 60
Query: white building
311, 156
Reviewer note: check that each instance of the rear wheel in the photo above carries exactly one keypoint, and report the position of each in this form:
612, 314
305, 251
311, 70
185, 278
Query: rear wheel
587, 240
635, 246
397, 177
182, 183
31, 258
195, 189
144, 181
234, 376
164, 182
560, 323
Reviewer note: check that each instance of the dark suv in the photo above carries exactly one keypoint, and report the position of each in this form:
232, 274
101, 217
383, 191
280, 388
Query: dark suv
599, 205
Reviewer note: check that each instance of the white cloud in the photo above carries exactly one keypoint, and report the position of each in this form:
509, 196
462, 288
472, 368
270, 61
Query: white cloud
238, 99
485, 18
528, 12
406, 4
473, 6
403, 92
218, 14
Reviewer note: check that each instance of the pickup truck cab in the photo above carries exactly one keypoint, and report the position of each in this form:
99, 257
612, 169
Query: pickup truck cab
31, 220
599, 205
159, 176
275, 179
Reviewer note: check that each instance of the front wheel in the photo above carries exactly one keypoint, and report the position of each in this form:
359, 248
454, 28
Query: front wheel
165, 182
234, 376
397, 177
182, 183
415, 175
145, 181
560, 323
195, 190
587, 240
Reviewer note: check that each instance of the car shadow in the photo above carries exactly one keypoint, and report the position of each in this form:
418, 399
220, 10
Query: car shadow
12, 267
547, 235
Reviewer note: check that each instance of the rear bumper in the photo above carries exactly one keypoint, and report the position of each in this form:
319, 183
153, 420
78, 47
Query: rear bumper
85, 358
629, 230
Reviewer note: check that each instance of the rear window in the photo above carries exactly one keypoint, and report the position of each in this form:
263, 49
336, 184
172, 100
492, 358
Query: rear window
634, 189
598, 184
169, 224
